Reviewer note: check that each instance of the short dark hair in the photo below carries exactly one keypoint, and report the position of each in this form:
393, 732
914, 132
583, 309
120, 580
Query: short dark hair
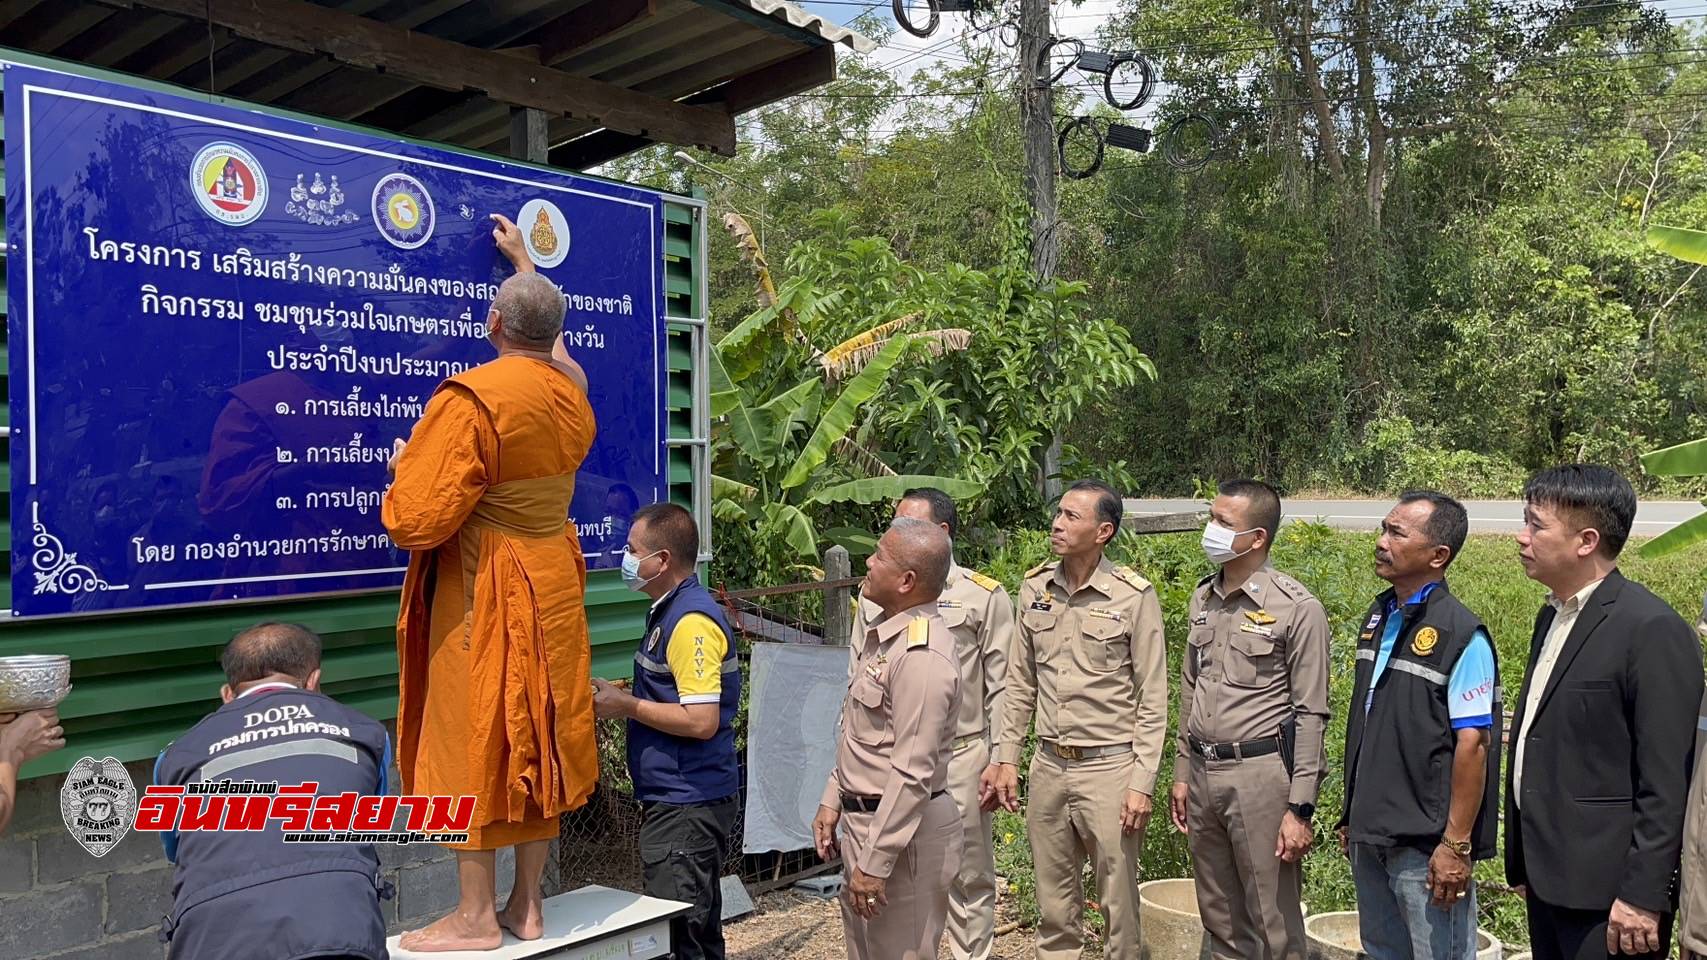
1448, 523
1264, 502
1109, 507
271, 648
942, 507
670, 527
1594, 496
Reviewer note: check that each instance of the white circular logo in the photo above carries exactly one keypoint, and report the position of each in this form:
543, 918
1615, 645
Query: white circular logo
545, 232
403, 210
229, 184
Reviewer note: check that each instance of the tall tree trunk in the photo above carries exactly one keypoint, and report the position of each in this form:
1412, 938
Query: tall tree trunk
1037, 122
1302, 43
1375, 187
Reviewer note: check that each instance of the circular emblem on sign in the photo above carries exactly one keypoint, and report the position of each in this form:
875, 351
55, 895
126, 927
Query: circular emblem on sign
229, 183
1423, 644
402, 210
545, 232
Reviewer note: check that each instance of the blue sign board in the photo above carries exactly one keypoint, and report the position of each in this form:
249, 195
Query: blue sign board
220, 320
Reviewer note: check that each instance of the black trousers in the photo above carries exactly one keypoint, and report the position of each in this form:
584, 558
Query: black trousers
682, 850
1560, 933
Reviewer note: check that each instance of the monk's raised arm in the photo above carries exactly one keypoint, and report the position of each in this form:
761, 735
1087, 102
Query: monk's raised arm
441, 473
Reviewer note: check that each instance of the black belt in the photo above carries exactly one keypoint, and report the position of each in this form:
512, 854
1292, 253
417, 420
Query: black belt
869, 804
1234, 751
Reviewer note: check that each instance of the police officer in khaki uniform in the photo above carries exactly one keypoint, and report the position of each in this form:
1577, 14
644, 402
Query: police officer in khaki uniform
981, 616
1253, 703
1089, 658
900, 828
1692, 897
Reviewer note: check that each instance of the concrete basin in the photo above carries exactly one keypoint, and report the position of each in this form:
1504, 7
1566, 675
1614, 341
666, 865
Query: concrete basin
1168, 915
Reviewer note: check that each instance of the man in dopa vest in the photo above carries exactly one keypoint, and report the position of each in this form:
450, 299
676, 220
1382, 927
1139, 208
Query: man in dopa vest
249, 894
1422, 754
979, 614
681, 727
900, 829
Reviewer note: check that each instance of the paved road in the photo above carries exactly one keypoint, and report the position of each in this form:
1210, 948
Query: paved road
1653, 517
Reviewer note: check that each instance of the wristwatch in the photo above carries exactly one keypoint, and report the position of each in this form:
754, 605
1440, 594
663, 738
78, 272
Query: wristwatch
1460, 847
1303, 811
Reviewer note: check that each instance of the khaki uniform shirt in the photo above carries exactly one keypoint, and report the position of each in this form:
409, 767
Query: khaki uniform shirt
978, 612
1256, 655
897, 728
1092, 664
1692, 899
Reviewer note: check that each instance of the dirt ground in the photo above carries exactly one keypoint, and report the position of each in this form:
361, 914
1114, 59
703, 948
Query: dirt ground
788, 924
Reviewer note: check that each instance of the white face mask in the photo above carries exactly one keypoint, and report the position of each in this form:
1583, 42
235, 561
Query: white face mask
1218, 543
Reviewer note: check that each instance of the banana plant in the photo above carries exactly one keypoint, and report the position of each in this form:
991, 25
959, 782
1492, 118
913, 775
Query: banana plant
1685, 459
783, 453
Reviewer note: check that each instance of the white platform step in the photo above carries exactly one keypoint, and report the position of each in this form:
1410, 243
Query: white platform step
592, 923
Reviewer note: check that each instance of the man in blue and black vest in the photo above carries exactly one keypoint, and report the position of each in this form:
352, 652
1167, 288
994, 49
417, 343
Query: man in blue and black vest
1422, 744
250, 894
681, 727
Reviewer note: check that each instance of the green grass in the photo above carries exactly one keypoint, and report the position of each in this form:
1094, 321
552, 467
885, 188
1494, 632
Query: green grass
1338, 567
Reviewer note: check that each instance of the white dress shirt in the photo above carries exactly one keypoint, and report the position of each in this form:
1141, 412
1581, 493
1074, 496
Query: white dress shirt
1564, 618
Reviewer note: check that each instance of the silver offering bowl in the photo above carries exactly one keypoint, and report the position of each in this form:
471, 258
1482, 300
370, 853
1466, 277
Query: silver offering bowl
33, 682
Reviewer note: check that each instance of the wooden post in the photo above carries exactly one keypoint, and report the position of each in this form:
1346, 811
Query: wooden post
838, 601
528, 138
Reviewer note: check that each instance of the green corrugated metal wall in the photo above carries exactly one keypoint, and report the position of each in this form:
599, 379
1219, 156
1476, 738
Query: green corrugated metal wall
141, 679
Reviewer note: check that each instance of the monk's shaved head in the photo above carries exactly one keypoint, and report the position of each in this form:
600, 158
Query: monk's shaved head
530, 309
269, 649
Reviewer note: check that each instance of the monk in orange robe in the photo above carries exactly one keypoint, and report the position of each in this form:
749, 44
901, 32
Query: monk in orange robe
493, 654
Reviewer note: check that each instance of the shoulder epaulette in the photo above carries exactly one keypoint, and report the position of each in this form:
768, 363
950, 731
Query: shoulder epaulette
1291, 587
990, 584
1040, 568
918, 633
1131, 577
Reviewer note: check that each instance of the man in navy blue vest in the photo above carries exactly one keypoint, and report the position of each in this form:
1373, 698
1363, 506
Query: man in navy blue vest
681, 726
1422, 755
249, 894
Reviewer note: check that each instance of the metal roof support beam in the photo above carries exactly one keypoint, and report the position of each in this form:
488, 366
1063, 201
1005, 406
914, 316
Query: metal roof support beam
361, 42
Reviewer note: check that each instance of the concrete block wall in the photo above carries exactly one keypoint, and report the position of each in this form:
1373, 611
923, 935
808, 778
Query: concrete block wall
58, 902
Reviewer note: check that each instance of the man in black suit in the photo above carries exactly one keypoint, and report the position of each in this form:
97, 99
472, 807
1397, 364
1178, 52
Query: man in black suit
1605, 731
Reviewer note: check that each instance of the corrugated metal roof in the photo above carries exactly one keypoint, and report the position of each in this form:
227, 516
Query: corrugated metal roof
806, 20
740, 54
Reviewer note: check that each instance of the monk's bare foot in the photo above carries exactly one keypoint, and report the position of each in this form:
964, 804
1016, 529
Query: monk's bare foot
523, 918
454, 931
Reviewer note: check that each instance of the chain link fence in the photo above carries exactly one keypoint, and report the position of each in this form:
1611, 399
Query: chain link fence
600, 843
